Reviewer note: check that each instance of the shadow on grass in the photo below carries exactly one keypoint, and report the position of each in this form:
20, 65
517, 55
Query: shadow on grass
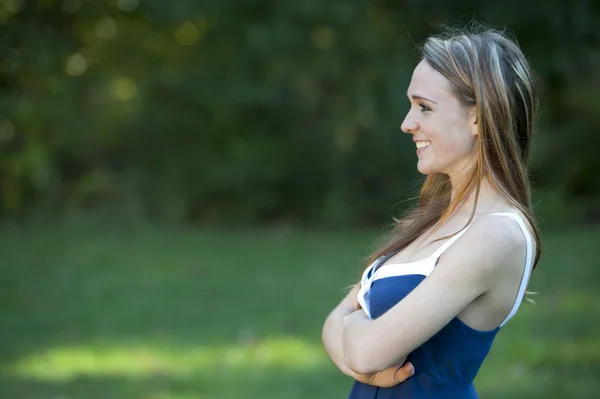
258, 384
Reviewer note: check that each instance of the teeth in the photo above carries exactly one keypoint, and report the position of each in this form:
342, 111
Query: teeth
423, 144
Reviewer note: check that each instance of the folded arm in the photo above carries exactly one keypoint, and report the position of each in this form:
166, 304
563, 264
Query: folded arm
332, 339
333, 329
467, 270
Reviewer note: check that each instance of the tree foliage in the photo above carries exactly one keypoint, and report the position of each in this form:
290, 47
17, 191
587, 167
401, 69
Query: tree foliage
260, 111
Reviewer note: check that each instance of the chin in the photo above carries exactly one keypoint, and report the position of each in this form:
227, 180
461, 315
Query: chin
425, 169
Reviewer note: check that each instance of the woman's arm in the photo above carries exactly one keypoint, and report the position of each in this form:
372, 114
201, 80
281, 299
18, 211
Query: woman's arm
469, 268
333, 330
332, 339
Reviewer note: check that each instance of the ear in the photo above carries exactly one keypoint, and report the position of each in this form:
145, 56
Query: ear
473, 122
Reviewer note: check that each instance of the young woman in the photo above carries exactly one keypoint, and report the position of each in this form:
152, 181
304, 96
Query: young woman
455, 269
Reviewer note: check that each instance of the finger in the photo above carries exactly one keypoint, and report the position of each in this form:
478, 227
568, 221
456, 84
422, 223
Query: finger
404, 372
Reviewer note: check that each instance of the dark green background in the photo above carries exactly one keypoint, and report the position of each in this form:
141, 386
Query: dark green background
245, 112
187, 187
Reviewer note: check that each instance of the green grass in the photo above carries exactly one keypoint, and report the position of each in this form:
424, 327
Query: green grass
173, 313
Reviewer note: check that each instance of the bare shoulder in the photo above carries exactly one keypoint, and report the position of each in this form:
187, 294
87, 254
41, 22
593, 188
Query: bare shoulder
496, 233
489, 247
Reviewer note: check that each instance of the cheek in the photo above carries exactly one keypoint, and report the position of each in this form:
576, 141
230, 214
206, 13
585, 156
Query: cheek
454, 144
455, 148
466, 143
460, 141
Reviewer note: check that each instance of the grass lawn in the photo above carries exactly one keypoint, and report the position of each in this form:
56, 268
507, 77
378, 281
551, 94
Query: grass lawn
173, 313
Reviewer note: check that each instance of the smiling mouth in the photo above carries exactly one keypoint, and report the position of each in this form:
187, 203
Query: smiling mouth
423, 144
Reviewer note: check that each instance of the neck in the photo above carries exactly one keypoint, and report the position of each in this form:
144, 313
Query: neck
488, 199
488, 196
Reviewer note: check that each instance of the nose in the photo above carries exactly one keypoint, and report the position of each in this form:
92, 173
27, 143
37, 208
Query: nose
409, 125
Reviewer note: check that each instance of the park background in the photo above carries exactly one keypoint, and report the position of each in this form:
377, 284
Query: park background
187, 188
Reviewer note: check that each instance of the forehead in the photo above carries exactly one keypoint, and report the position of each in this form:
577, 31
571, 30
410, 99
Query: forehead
428, 82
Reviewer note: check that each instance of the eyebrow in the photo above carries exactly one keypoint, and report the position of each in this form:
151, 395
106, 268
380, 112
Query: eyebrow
417, 97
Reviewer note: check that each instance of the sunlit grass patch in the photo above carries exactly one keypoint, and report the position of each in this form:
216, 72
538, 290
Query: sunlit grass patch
138, 360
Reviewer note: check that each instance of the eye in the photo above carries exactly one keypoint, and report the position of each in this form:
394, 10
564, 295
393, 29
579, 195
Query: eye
424, 108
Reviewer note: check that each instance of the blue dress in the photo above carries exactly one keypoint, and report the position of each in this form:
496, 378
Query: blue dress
447, 363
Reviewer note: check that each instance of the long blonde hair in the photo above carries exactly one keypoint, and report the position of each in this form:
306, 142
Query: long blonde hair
486, 70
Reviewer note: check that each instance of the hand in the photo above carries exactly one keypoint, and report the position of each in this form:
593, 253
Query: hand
389, 377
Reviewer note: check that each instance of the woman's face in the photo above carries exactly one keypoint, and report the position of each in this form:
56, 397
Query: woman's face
445, 132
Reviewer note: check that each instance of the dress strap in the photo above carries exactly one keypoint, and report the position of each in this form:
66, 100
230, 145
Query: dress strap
448, 243
528, 262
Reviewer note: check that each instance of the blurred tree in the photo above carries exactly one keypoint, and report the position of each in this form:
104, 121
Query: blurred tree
258, 111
